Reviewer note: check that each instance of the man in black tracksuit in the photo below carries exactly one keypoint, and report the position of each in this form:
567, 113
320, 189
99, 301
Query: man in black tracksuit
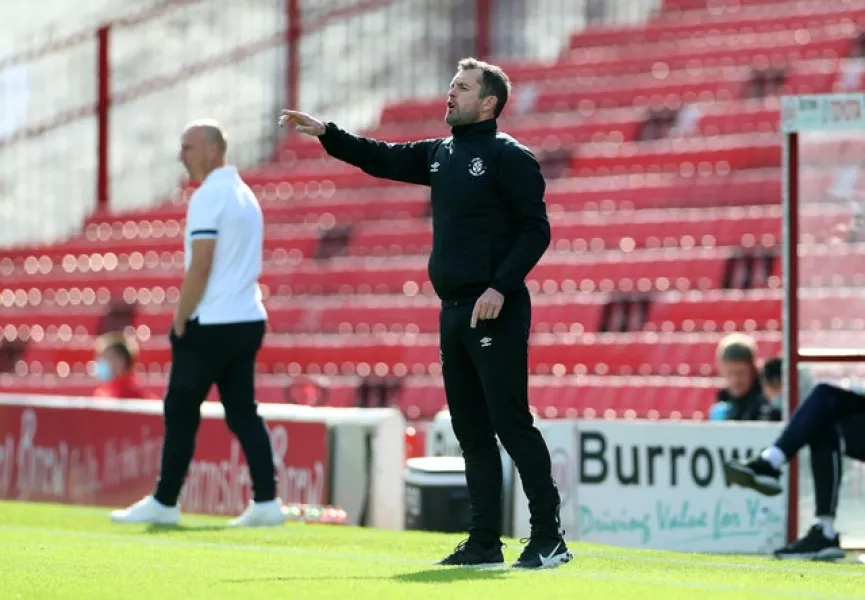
490, 228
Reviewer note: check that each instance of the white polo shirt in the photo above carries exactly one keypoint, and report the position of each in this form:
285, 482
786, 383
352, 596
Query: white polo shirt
224, 208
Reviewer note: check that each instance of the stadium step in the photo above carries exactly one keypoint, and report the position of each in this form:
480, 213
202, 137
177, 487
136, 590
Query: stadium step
570, 230
343, 315
560, 93
745, 19
700, 268
792, 46
420, 398
701, 6
717, 310
401, 354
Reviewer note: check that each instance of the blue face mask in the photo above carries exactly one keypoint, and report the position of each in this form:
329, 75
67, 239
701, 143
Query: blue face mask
103, 370
719, 411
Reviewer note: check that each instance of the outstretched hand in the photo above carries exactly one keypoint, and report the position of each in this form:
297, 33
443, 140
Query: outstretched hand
303, 123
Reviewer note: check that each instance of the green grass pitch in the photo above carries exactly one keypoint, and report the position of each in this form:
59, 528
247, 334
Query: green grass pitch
65, 553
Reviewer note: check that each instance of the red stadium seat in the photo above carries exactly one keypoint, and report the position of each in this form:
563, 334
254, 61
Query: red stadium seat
746, 18
638, 214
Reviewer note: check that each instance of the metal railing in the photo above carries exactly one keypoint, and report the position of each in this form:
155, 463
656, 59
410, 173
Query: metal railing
91, 122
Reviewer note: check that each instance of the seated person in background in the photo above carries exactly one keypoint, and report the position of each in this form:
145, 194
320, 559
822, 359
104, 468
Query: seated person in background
773, 389
856, 229
830, 421
852, 232
115, 363
742, 399
770, 380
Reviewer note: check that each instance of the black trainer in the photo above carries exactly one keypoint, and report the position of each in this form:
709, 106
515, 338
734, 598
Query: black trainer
541, 553
469, 553
758, 475
813, 546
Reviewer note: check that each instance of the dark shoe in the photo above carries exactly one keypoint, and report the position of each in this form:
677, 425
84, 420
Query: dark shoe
814, 546
758, 475
542, 553
471, 554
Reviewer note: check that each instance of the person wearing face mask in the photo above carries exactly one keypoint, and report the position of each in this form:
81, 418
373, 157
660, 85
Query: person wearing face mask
114, 368
830, 422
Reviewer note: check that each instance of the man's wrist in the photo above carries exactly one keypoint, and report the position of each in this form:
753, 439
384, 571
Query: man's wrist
498, 288
329, 128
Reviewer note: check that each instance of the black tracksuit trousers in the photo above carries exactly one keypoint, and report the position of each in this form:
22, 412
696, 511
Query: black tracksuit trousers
486, 382
831, 422
223, 355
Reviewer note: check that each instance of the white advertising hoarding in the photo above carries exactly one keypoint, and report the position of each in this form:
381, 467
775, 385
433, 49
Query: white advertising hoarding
660, 485
650, 484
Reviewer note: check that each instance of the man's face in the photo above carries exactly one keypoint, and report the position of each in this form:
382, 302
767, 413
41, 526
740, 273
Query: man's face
464, 104
196, 153
739, 376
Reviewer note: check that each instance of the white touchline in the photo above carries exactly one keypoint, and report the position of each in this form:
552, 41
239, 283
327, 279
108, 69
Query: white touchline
562, 572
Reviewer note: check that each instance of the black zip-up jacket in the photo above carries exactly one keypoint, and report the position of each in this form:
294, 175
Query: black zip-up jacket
490, 225
753, 406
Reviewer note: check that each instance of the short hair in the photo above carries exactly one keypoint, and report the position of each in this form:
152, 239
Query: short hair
772, 371
115, 341
213, 132
494, 81
737, 347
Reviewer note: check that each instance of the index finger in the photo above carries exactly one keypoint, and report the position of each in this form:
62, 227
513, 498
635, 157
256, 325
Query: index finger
474, 321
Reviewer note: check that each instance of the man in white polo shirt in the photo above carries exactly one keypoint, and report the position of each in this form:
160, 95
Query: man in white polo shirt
218, 328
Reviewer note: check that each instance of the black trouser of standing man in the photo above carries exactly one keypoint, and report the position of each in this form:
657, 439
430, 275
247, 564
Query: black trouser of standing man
485, 373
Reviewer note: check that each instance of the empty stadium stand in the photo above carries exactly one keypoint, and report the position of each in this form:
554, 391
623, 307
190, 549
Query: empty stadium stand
661, 146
